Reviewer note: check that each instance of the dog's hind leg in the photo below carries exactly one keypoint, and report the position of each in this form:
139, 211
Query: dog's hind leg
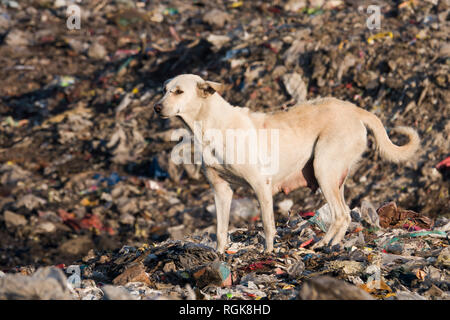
355, 150
330, 189
345, 217
330, 168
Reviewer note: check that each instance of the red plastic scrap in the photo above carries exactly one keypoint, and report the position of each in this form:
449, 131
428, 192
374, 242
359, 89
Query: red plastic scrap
306, 243
46, 39
411, 227
444, 168
264, 264
443, 164
64, 215
279, 271
69, 219
110, 231
269, 46
274, 9
307, 214
92, 221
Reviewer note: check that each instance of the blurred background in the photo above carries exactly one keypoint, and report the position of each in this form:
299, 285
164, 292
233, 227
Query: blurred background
84, 162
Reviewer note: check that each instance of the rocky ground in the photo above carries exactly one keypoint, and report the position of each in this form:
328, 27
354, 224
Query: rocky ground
88, 192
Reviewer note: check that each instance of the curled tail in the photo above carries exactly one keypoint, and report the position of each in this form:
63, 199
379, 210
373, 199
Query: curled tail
388, 150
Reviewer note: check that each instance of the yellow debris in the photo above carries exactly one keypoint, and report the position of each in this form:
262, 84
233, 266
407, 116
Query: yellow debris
236, 4
381, 35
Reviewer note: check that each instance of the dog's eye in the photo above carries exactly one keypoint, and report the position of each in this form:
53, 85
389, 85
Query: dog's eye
178, 91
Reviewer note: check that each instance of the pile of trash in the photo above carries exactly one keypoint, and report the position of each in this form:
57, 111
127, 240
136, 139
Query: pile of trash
391, 263
88, 191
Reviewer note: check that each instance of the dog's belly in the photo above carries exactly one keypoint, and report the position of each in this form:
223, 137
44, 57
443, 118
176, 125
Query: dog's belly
301, 178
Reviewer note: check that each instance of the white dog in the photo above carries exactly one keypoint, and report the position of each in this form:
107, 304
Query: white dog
319, 141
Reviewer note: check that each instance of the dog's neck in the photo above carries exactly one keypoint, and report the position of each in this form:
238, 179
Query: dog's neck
208, 113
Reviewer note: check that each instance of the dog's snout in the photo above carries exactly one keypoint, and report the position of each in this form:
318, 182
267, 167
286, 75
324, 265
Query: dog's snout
158, 107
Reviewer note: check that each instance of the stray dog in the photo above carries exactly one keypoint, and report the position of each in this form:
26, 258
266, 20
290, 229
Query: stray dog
319, 141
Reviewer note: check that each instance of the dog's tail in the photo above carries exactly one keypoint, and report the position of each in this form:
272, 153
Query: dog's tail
388, 150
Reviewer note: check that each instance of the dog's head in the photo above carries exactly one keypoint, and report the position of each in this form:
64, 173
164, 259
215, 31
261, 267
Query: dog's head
183, 94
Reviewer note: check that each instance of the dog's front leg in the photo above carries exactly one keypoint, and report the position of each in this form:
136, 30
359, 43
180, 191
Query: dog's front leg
223, 195
264, 194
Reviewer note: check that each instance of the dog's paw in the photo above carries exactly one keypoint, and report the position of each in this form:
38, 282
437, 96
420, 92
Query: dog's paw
318, 245
337, 248
220, 249
268, 250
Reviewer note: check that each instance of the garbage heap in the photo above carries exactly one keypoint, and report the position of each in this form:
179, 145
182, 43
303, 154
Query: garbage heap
381, 258
88, 192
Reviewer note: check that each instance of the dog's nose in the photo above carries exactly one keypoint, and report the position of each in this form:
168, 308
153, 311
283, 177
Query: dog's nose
158, 108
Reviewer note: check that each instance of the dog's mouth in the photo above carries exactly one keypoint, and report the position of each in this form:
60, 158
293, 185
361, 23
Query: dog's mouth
167, 115
164, 116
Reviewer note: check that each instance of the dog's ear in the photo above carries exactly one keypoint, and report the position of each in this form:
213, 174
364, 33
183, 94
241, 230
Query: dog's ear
166, 82
207, 88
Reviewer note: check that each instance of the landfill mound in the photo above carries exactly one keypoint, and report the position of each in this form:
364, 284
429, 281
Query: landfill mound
92, 207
